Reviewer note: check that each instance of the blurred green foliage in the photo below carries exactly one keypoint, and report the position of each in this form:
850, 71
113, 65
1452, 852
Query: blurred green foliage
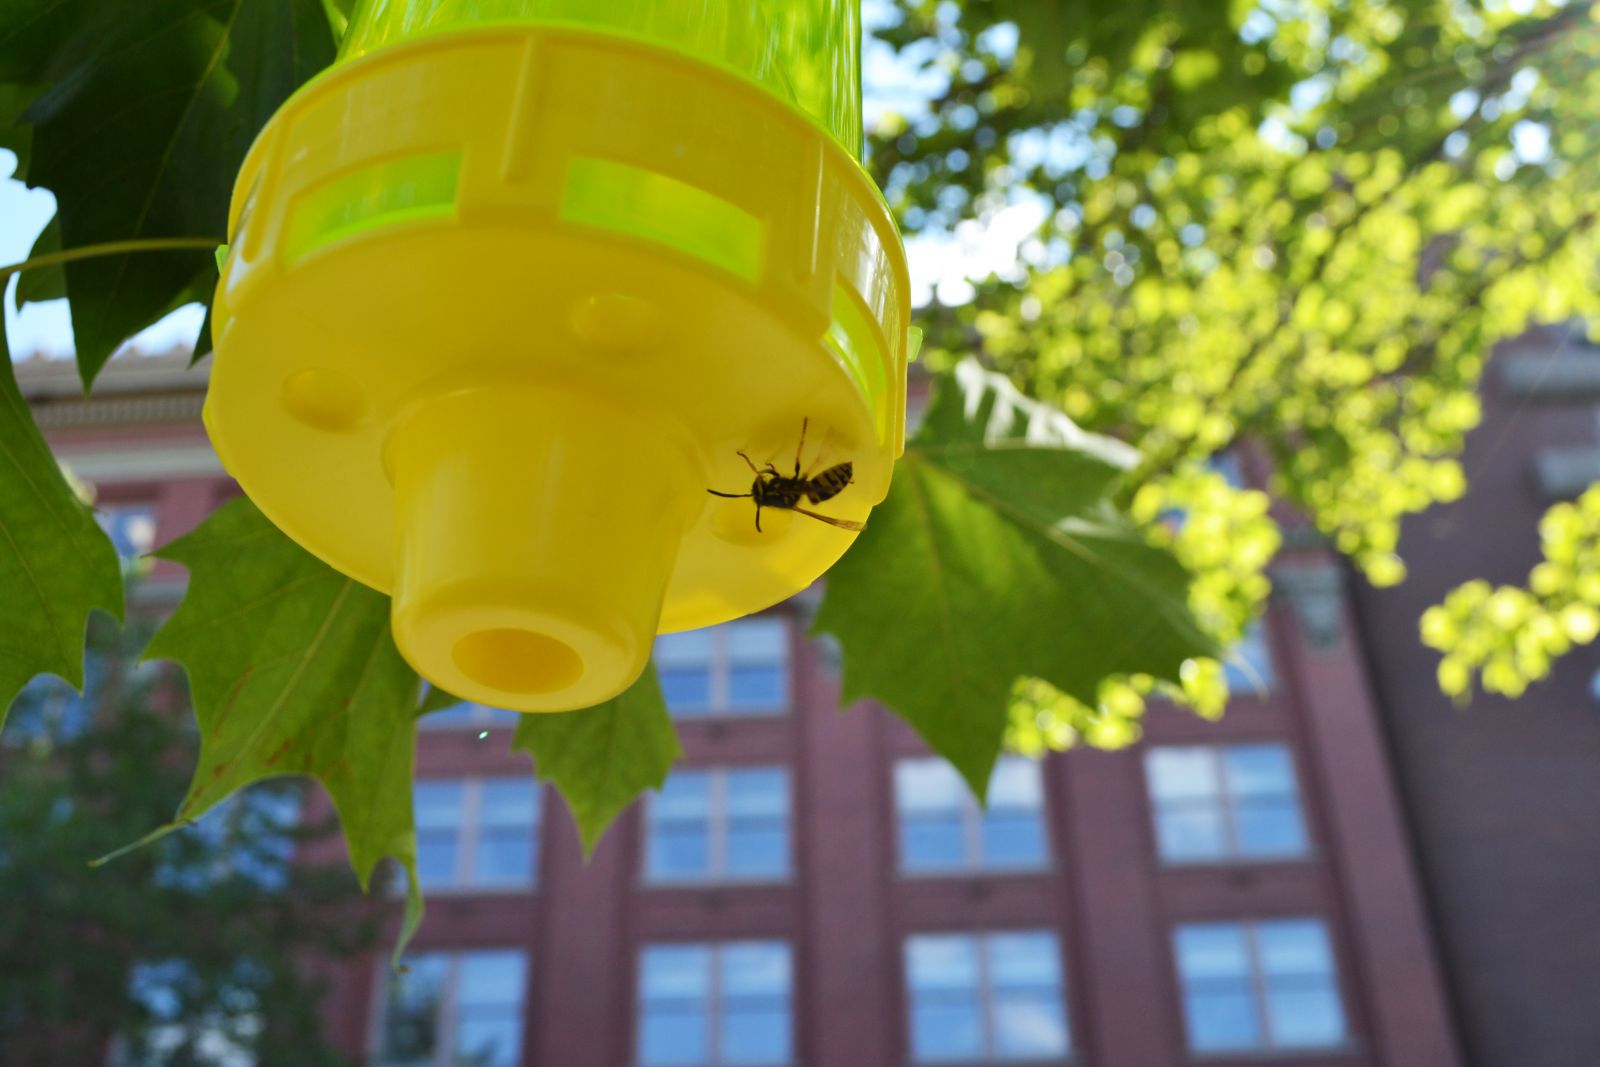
1302, 224
193, 951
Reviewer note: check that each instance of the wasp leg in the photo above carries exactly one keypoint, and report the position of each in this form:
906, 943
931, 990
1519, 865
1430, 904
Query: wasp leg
758, 518
749, 464
804, 424
730, 496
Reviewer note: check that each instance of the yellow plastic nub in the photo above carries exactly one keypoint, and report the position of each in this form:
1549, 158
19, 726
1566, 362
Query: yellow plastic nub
537, 532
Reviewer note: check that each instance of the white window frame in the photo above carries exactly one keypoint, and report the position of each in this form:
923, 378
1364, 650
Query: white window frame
449, 1001
719, 669
1257, 981
1228, 806
717, 823
714, 992
971, 816
986, 994
471, 831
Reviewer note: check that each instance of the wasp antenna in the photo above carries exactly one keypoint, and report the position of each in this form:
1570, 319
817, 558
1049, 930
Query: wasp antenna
748, 463
730, 496
805, 424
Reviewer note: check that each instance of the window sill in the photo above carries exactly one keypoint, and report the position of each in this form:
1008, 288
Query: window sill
704, 885
1234, 863
977, 874
1274, 1055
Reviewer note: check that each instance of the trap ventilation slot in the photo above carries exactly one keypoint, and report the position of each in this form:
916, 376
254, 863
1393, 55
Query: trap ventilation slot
854, 341
392, 192
641, 203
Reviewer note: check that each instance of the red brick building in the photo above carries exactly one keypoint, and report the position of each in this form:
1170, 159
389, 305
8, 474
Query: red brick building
811, 890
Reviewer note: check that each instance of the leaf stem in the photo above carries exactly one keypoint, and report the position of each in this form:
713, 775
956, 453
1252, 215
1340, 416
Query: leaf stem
109, 248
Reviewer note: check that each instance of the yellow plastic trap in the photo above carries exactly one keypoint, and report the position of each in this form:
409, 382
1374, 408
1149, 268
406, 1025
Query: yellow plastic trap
504, 299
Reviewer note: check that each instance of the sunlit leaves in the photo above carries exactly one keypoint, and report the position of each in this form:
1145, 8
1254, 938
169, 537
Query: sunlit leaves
1323, 265
1506, 637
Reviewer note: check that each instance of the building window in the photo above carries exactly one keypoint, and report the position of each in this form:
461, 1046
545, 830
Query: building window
719, 825
739, 668
1259, 986
1216, 804
467, 715
981, 997
1247, 668
477, 833
943, 829
705, 1005
448, 1009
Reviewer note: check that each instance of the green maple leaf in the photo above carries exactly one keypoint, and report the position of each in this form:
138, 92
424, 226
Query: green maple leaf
602, 758
293, 671
149, 112
56, 564
996, 557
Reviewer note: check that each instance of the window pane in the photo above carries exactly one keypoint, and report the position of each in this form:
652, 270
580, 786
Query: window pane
438, 805
683, 664
491, 979
1181, 774
1269, 830
674, 1037
1304, 1015
678, 853
1294, 948
411, 1010
686, 692
507, 813
504, 858
1013, 840
755, 997
1219, 1005
758, 817
1025, 960
933, 843
758, 641
927, 785
1029, 1025
942, 962
1259, 770
945, 1028
755, 968
674, 992
1190, 833
1208, 951
509, 802
757, 849
436, 860
690, 649
757, 688
675, 972
755, 1033
1017, 783
758, 792
1222, 1020
679, 840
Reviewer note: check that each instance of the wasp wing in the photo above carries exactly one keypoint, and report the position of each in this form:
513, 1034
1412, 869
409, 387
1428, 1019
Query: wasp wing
843, 524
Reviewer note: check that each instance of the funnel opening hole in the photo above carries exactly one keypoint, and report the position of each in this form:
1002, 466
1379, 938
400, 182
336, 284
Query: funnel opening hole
518, 661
